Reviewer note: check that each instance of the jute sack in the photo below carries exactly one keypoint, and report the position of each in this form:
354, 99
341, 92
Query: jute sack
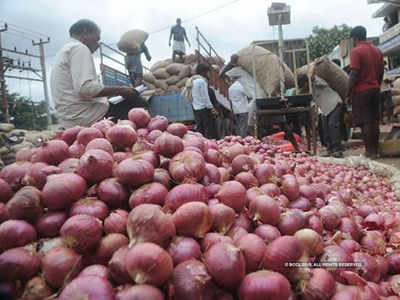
396, 83
149, 85
175, 68
172, 88
396, 100
149, 77
396, 110
161, 84
161, 64
395, 92
190, 59
185, 72
161, 73
181, 83
267, 67
172, 80
130, 41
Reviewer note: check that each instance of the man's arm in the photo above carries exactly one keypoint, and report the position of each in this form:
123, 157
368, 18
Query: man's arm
124, 91
170, 37
146, 52
184, 34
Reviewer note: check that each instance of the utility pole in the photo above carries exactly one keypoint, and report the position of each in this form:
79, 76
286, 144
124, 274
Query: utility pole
3, 69
44, 77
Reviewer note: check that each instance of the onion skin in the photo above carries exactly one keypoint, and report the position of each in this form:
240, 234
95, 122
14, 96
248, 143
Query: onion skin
151, 193
184, 193
25, 204
393, 261
121, 136
70, 165
76, 150
82, 233
267, 233
116, 222
159, 123
224, 217
108, 245
38, 173
193, 219
290, 187
162, 176
5, 191
212, 238
149, 263
329, 217
191, 280
62, 189
18, 264
14, 173
374, 243
168, 145
53, 152
264, 285
369, 268
49, 224
111, 192
60, 265
139, 116
16, 233
226, 264
96, 270
253, 249
92, 287
134, 172
36, 289
233, 194
117, 266
90, 206
247, 179
242, 163
148, 223
321, 285
183, 248
187, 166
311, 240
149, 156
177, 129
95, 165
264, 173
140, 291
70, 134
264, 209
87, 134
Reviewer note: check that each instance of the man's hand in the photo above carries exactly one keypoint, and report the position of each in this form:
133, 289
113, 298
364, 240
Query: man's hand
128, 93
148, 58
214, 111
169, 43
347, 101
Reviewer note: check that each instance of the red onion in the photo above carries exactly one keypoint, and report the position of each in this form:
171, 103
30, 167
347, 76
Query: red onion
45, 245
234, 151
193, 219
236, 232
184, 193
88, 134
225, 174
3, 213
315, 224
25, 204
18, 264
153, 135
117, 266
383, 265
285, 249
223, 216
121, 136
127, 123
60, 265
267, 233
49, 224
120, 156
253, 193
253, 249
152, 193
191, 280
394, 263
320, 286
16, 233
14, 173
243, 220
365, 210
62, 189
70, 165
168, 145
350, 246
95, 165
290, 187
212, 238
369, 267
70, 134
271, 189
232, 194
139, 116
149, 263
82, 233
134, 172
212, 190
116, 222
301, 203
158, 122
100, 143
226, 264
148, 223
212, 175
183, 248
394, 284
291, 221
53, 152
24, 154
162, 176
140, 291
242, 163
149, 156
247, 179
329, 217
191, 140
112, 192
214, 157
335, 254
265, 210
222, 295
265, 173
311, 240
89, 287
177, 129
103, 125
308, 192
349, 226
5, 191
187, 166
108, 245
76, 150
264, 285
374, 222
89, 206
374, 243
35, 289
96, 270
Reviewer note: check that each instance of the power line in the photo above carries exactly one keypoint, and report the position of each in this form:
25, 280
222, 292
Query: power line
18, 35
25, 28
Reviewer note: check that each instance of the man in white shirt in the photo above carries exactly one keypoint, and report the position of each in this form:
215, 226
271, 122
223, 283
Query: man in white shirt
203, 110
79, 97
240, 106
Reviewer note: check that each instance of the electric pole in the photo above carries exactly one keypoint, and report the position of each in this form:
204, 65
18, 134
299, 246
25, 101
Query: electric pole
44, 77
3, 69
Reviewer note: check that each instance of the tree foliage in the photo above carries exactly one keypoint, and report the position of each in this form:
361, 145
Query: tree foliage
322, 41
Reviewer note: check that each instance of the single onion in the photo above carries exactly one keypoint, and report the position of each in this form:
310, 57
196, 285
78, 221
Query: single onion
226, 264
394, 263
151, 193
267, 233
140, 291
117, 266
82, 233
225, 174
212, 175
61, 190
95, 165
162, 176
301, 203
236, 232
111, 192
70, 134
253, 248
265, 173
214, 157
244, 221
183, 248
158, 122
120, 156
149, 156
321, 285
139, 116
25, 204
60, 265
233, 194
18, 264
103, 125
36, 289
242, 163
76, 150
187, 166
89, 206
193, 219
121, 136
224, 217
264, 209
5, 191
177, 129
234, 151
24, 154
37, 175
149, 263
335, 254
89, 287
329, 217
127, 123
87, 134
96, 270
349, 226
369, 266
374, 222
307, 191
247, 179
168, 145
49, 224
53, 152
350, 246
291, 221
70, 165
148, 223
116, 222
100, 143
212, 238
108, 245
374, 243
14, 173
365, 210
153, 135
184, 193
190, 140
16, 233
315, 224
271, 189
134, 172
312, 241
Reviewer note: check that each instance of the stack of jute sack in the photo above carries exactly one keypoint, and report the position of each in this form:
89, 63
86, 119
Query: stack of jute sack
166, 76
396, 98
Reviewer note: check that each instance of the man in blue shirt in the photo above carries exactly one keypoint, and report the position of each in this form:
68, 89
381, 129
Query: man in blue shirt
134, 66
179, 34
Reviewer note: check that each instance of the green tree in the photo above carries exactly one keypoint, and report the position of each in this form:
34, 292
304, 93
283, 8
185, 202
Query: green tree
322, 41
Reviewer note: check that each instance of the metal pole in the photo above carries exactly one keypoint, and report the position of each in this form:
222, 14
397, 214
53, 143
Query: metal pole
3, 81
282, 70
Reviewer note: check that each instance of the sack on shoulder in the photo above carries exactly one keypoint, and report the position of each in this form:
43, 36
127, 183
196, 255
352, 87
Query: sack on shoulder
187, 92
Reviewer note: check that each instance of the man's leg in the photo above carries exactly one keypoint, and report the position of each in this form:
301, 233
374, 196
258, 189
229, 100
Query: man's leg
210, 126
334, 130
241, 124
173, 56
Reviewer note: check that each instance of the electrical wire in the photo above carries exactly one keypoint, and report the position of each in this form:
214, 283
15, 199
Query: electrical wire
25, 29
17, 35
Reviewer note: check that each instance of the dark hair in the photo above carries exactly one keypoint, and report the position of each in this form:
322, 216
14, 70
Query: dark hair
359, 32
82, 26
302, 79
337, 62
202, 69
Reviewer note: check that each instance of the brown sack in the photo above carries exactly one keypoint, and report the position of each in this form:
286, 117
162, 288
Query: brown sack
181, 83
172, 88
161, 64
190, 59
172, 80
396, 100
185, 72
130, 41
267, 67
395, 92
149, 77
150, 86
161, 73
161, 84
396, 110
175, 68
396, 83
